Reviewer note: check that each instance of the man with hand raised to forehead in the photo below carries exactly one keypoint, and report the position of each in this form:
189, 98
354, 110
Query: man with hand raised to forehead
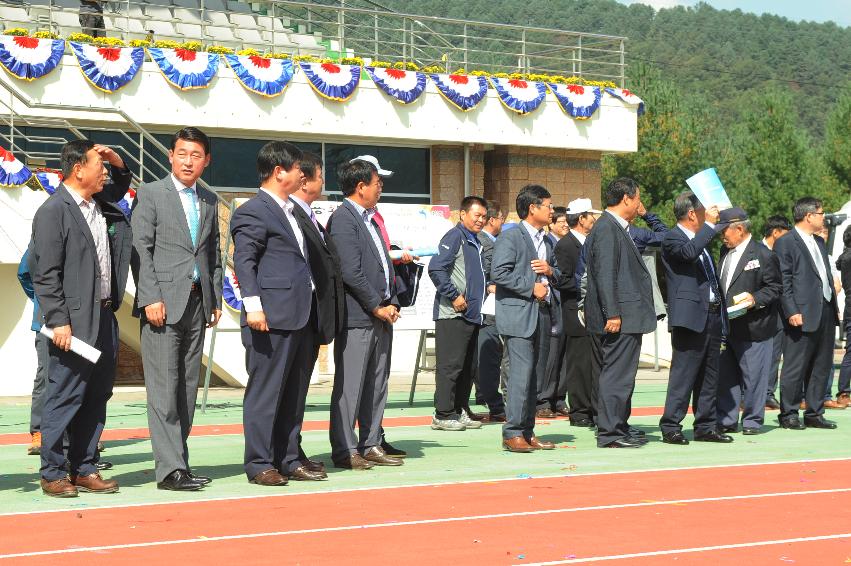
178, 271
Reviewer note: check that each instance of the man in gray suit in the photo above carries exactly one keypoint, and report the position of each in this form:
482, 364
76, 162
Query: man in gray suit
619, 309
178, 271
523, 270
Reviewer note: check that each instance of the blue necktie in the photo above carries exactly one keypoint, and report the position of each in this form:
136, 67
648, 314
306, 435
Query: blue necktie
193, 219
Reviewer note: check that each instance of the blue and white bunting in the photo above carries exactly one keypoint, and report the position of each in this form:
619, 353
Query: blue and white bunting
462, 91
30, 58
230, 291
627, 97
13, 173
185, 69
126, 202
262, 75
403, 86
108, 68
578, 101
519, 95
49, 180
332, 81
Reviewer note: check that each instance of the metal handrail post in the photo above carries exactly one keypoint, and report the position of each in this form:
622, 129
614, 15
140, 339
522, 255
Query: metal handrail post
579, 43
465, 47
375, 36
341, 18
623, 71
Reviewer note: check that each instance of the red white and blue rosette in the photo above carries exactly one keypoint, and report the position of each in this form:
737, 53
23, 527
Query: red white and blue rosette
13, 173
332, 81
230, 291
261, 75
49, 180
404, 86
627, 97
185, 69
578, 101
519, 95
108, 68
30, 58
126, 202
462, 91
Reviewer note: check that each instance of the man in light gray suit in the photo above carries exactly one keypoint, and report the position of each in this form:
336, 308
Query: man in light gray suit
523, 270
178, 272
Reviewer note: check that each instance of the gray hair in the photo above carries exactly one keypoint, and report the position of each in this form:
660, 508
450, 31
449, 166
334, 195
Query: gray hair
685, 202
745, 224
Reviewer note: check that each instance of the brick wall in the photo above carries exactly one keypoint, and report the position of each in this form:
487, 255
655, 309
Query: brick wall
447, 174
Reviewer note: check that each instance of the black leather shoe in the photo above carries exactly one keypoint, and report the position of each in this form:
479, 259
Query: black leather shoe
203, 480
713, 436
674, 438
179, 480
303, 474
772, 403
392, 451
587, 423
103, 465
642, 440
634, 432
623, 443
729, 429
819, 422
792, 423
750, 430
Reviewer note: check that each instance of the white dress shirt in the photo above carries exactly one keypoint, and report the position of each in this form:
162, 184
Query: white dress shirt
731, 262
705, 259
817, 258
97, 226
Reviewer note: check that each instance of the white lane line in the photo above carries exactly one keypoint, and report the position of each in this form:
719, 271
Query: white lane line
418, 485
424, 522
691, 550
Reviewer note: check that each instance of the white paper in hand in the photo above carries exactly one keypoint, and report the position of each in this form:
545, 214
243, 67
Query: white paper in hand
489, 306
77, 346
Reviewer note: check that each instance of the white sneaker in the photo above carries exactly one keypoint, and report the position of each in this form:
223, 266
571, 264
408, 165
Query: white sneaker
465, 420
446, 424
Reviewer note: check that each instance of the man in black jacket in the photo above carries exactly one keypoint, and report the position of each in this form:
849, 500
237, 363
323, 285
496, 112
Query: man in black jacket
750, 279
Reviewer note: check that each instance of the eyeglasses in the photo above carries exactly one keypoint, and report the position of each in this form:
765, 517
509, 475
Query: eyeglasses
550, 206
821, 213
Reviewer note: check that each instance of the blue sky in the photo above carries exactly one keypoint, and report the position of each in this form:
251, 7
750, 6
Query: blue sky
838, 11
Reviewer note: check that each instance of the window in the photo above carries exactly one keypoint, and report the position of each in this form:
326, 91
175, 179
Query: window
411, 180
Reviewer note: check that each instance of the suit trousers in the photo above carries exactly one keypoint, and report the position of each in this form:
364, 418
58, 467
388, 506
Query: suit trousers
278, 364
807, 359
777, 346
620, 353
455, 341
744, 371
550, 381
75, 400
527, 359
488, 368
171, 357
583, 370
694, 377
361, 372
42, 353
845, 368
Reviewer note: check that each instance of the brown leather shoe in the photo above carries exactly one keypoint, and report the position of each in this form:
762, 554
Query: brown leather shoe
537, 444
831, 404
563, 411
491, 419
58, 488
354, 462
516, 444
93, 483
545, 414
803, 406
270, 477
378, 457
303, 474
844, 398
313, 465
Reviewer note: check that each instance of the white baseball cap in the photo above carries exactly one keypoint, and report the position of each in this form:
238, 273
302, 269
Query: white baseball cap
581, 206
374, 161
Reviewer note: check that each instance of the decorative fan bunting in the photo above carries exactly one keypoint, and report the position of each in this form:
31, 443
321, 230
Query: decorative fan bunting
628, 97
332, 81
185, 69
126, 203
518, 95
13, 173
231, 292
262, 75
462, 91
108, 68
578, 101
404, 86
49, 180
30, 58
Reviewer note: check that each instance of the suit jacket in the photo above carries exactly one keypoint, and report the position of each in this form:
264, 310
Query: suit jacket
164, 256
63, 259
653, 235
487, 259
269, 263
325, 267
802, 286
762, 280
360, 264
567, 255
516, 307
843, 264
618, 283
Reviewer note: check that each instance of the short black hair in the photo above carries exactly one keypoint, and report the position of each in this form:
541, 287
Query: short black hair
529, 195
192, 134
310, 164
776, 222
350, 173
619, 188
804, 206
468, 202
846, 237
558, 212
494, 210
276, 154
685, 202
74, 152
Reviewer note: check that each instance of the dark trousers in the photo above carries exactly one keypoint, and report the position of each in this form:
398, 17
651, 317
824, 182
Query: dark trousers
845, 368
620, 353
744, 369
489, 362
455, 342
92, 24
694, 377
807, 358
552, 378
582, 367
77, 392
42, 352
777, 345
527, 357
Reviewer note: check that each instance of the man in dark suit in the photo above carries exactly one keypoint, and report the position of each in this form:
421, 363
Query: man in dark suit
618, 309
362, 349
750, 277
810, 315
523, 269
775, 227
697, 319
80, 256
178, 271
278, 321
